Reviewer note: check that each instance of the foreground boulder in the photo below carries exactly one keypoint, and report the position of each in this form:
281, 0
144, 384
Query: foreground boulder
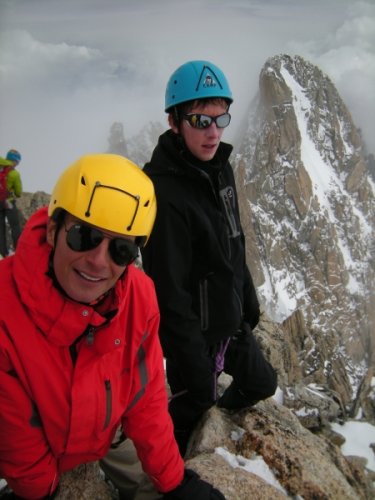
289, 460
299, 462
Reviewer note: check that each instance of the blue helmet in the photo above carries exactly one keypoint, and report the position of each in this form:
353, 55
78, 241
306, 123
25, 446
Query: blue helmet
196, 80
13, 155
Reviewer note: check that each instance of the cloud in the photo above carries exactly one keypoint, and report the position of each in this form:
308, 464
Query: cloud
347, 56
62, 100
69, 69
60, 67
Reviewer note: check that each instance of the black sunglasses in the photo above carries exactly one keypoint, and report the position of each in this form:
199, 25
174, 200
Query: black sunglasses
197, 120
81, 238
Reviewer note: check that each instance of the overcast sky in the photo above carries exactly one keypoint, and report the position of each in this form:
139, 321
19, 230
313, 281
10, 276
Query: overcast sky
70, 68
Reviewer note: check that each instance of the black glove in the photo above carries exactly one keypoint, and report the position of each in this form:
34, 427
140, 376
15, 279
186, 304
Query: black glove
194, 488
8, 494
234, 399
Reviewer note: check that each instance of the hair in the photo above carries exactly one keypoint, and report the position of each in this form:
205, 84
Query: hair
177, 112
58, 217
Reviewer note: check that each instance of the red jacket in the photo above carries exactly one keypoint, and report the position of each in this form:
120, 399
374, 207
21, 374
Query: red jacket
55, 414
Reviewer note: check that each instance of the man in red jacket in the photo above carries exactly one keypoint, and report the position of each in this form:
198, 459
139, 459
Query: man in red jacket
79, 348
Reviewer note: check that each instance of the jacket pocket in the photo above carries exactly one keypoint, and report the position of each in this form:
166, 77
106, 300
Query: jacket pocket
108, 403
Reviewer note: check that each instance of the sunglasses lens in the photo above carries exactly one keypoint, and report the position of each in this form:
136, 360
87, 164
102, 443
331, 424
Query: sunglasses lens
81, 238
123, 252
203, 121
223, 121
197, 120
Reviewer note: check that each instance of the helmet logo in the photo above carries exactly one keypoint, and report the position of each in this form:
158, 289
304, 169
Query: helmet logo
208, 79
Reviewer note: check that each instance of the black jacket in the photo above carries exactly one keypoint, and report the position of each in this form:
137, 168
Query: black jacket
196, 253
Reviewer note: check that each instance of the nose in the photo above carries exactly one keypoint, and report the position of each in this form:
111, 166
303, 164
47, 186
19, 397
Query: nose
99, 256
213, 130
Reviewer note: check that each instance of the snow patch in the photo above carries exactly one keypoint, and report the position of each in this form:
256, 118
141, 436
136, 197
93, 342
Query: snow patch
255, 465
358, 438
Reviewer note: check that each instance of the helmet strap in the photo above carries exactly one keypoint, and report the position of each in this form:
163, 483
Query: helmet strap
176, 117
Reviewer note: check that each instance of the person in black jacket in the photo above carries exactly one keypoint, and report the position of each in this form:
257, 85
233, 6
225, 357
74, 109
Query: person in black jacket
196, 256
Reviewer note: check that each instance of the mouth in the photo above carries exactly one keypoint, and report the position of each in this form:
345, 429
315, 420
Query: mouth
87, 277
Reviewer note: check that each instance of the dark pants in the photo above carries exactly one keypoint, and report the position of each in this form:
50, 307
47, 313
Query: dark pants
254, 379
12, 216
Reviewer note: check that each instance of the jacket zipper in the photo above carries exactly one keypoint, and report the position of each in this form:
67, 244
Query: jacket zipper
203, 298
108, 403
90, 336
239, 302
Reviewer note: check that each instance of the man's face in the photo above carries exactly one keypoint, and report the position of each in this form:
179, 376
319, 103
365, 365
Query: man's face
202, 143
84, 276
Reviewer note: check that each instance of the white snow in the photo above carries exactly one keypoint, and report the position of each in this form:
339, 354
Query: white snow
304, 412
358, 437
278, 396
256, 465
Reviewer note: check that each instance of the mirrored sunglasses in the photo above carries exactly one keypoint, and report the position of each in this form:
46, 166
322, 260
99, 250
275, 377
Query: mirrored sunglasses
81, 238
198, 120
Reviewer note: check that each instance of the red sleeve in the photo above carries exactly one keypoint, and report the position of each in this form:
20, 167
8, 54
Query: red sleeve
148, 423
25, 459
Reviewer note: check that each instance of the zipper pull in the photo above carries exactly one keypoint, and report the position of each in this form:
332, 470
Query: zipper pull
90, 336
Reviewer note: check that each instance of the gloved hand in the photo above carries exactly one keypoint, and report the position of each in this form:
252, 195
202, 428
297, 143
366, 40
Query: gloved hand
234, 399
8, 494
194, 488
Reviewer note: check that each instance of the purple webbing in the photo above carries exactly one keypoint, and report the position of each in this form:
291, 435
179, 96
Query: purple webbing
220, 356
219, 363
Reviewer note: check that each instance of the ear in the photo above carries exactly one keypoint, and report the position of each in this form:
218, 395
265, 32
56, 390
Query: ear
51, 232
172, 123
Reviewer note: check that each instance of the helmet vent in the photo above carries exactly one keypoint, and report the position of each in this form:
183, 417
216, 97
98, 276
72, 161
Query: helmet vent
83, 182
147, 203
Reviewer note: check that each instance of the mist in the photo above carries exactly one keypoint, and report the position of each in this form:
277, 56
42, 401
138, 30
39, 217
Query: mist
69, 69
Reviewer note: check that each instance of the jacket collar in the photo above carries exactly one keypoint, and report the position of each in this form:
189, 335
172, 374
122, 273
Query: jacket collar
171, 156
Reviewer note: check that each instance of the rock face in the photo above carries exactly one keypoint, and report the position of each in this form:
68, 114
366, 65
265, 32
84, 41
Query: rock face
307, 201
27, 204
304, 465
262, 453
116, 140
141, 146
30, 202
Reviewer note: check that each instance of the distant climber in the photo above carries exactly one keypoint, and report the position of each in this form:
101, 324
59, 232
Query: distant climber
10, 189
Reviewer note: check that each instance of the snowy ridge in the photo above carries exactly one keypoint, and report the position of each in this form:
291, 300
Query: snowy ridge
326, 183
311, 199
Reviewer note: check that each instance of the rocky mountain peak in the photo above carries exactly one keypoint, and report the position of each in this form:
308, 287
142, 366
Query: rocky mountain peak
308, 205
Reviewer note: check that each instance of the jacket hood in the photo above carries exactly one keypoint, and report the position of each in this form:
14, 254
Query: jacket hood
59, 318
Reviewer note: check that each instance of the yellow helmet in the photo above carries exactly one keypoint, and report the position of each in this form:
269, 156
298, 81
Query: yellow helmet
107, 191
